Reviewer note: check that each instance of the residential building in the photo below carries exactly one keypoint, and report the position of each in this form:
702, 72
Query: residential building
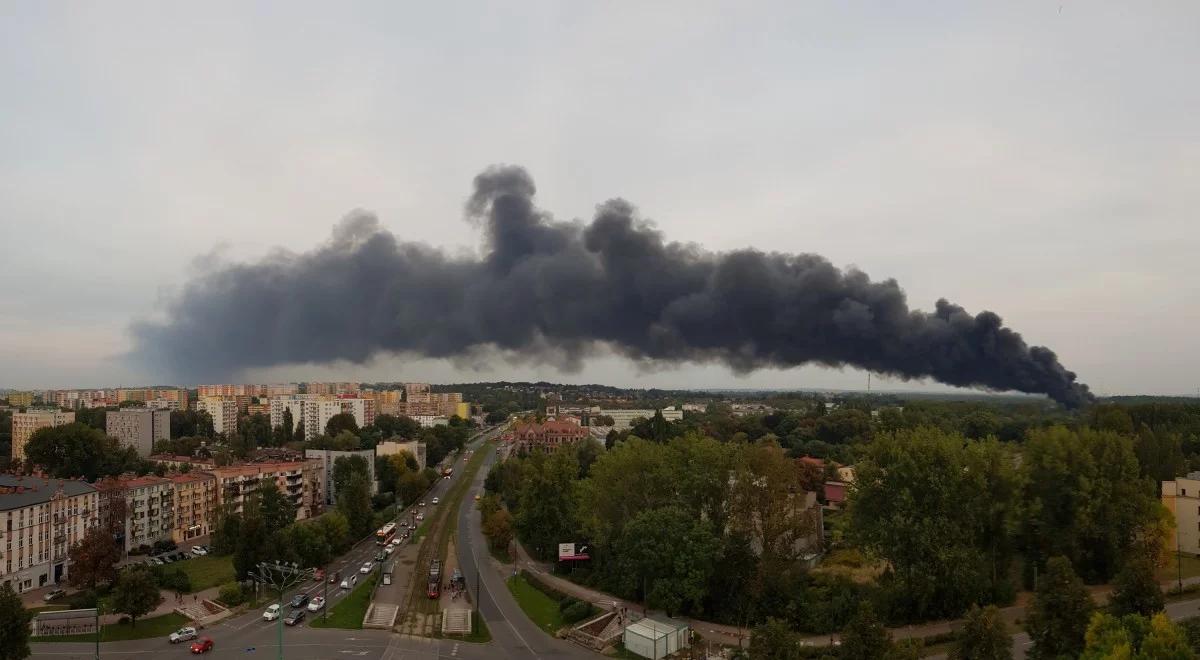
412, 447
294, 404
139, 428
40, 519
328, 458
430, 421
144, 394
623, 419
281, 389
1182, 498
150, 510
301, 481
19, 399
547, 436
163, 404
224, 413
196, 502
203, 391
25, 423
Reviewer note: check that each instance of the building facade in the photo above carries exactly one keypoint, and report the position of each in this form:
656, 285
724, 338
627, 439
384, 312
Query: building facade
224, 413
623, 419
139, 428
150, 510
40, 519
24, 424
412, 447
301, 481
1182, 498
547, 436
327, 458
195, 495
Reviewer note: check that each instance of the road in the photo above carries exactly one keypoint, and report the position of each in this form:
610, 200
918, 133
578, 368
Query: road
248, 637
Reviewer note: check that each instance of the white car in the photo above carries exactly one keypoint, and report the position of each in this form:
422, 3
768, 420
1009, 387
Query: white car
422, 503
395, 542
387, 552
420, 516
350, 582
316, 603
272, 613
435, 500
366, 568
199, 550
182, 635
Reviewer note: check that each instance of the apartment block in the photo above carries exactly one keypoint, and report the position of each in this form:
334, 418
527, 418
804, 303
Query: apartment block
412, 447
139, 428
40, 519
327, 458
301, 481
24, 424
224, 413
623, 419
144, 394
150, 510
19, 399
196, 503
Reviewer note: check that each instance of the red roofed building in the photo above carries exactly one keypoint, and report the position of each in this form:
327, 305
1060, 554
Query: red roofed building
547, 436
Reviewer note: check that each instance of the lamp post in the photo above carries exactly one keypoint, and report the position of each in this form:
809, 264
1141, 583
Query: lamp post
282, 577
97, 630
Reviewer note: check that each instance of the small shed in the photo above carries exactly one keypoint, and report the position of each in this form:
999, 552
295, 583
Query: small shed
654, 638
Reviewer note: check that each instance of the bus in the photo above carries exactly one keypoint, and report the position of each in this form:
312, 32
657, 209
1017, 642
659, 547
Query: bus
385, 534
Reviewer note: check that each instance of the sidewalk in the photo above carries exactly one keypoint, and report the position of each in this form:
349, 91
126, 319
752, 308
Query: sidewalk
34, 599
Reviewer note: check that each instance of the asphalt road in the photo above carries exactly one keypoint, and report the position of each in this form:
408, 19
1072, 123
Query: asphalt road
247, 636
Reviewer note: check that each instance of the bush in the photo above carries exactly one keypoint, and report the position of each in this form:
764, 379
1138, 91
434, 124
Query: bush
577, 611
382, 500
231, 594
566, 602
164, 546
82, 600
173, 580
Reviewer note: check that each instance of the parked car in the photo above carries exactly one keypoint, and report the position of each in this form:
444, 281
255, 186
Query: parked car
366, 568
350, 582
272, 612
316, 603
202, 646
299, 600
182, 635
166, 559
54, 593
435, 500
158, 561
199, 550
295, 617
181, 556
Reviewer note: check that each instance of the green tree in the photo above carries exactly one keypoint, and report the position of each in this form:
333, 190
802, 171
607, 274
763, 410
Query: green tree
1165, 641
14, 625
354, 502
253, 543
774, 640
289, 426
984, 636
277, 510
191, 423
410, 486
335, 529
94, 559
547, 514
668, 556
498, 528
344, 467
1136, 589
865, 638
1058, 618
341, 422
74, 450
136, 594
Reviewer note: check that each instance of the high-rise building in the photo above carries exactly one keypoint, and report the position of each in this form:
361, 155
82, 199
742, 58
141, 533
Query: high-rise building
139, 428
328, 459
20, 399
24, 424
224, 413
41, 519
195, 505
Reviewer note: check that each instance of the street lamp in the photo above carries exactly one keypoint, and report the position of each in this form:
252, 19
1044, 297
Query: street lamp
281, 577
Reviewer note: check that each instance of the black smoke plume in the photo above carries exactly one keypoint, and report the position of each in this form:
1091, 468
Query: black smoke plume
558, 291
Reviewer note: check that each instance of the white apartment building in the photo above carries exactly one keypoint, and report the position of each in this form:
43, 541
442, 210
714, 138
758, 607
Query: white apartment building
40, 519
313, 411
25, 423
623, 419
430, 421
163, 404
224, 413
150, 510
139, 428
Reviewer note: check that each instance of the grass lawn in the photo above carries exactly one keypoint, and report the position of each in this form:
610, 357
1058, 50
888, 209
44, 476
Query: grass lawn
155, 626
540, 608
208, 571
349, 611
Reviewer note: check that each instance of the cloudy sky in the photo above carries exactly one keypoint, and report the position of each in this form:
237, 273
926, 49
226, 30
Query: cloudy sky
1038, 159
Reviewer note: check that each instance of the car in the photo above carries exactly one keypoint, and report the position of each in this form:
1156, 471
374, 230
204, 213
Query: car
182, 635
334, 577
434, 500
151, 562
476, 497
272, 612
166, 559
380, 556
387, 552
366, 568
316, 603
318, 575
202, 645
181, 556
157, 561
350, 582
422, 503
420, 516
295, 617
299, 600
394, 542
54, 593
199, 550
404, 523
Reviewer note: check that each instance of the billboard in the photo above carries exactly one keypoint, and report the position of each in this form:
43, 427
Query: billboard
569, 551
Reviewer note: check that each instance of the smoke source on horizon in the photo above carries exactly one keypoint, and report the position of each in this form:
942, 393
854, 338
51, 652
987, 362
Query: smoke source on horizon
559, 291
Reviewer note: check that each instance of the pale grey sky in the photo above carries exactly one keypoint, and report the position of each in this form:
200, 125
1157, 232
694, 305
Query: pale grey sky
1038, 159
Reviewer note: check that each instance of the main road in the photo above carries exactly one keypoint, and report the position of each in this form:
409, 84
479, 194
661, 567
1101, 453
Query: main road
248, 637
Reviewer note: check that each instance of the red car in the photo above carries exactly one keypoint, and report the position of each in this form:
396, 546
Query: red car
202, 645
319, 574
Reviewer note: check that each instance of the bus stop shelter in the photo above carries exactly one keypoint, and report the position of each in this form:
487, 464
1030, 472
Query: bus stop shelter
654, 638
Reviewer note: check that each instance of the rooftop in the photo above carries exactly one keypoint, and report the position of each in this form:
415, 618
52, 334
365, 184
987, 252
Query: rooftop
18, 491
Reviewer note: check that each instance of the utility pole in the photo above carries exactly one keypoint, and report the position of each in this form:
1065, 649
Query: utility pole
97, 630
281, 577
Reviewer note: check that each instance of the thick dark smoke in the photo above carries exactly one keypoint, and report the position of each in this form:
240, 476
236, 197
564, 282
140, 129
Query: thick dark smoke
557, 291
